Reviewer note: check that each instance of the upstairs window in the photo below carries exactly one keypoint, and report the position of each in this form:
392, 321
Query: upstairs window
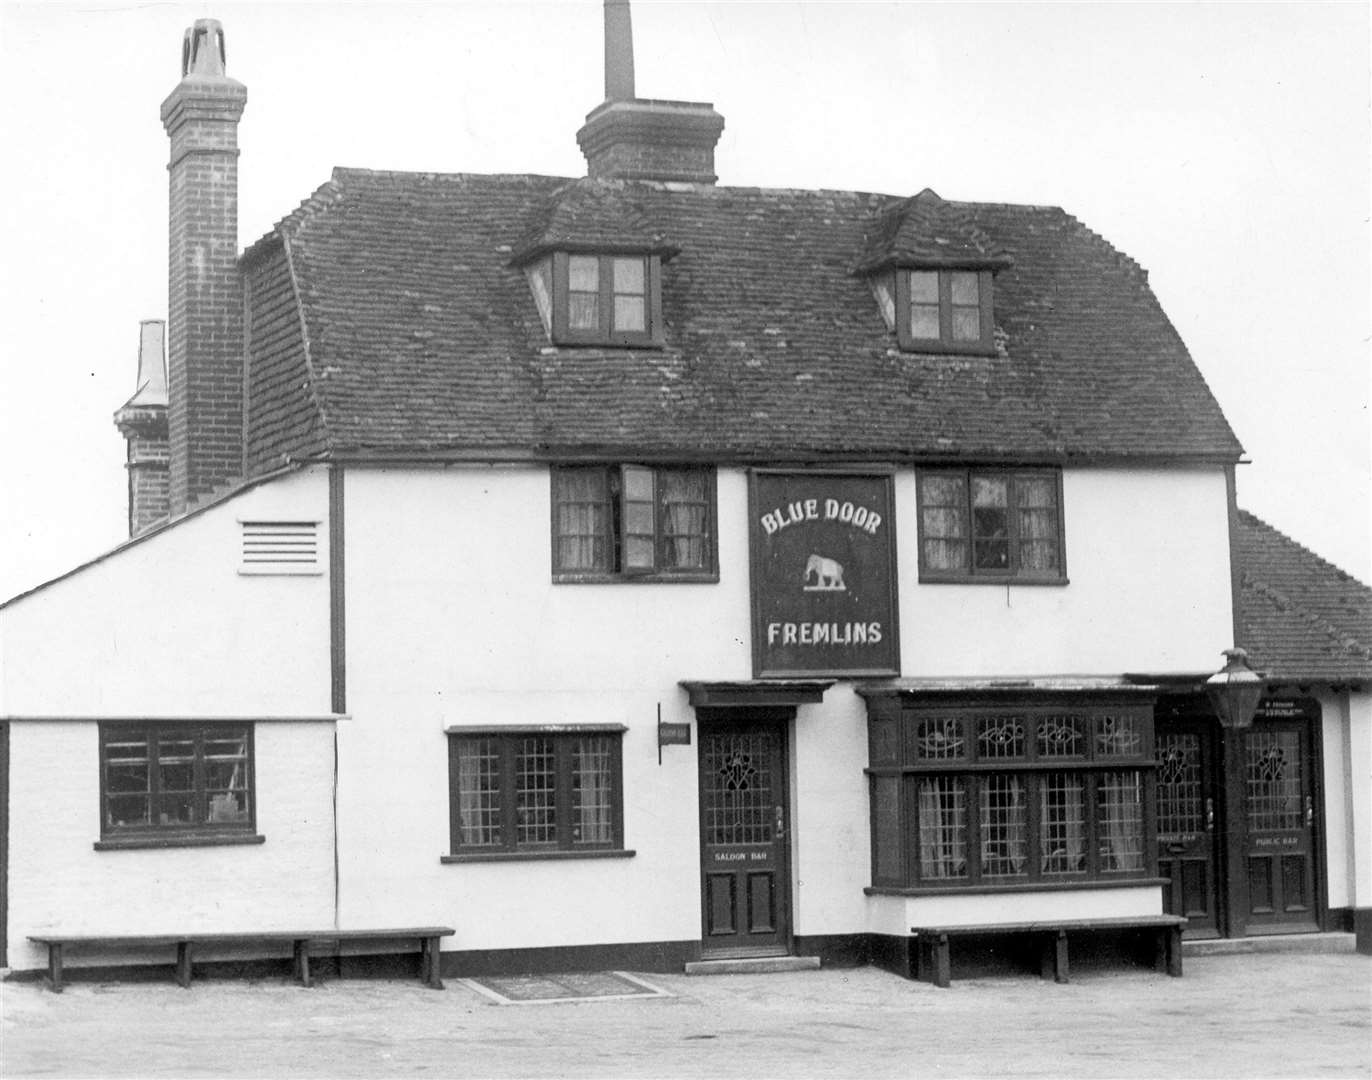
991, 525
614, 522
606, 300
944, 311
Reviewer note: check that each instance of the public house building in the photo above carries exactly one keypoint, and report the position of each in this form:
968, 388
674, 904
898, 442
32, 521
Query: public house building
629, 570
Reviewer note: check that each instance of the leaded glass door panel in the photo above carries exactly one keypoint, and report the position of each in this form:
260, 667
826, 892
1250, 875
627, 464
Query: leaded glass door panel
1186, 800
743, 830
1279, 812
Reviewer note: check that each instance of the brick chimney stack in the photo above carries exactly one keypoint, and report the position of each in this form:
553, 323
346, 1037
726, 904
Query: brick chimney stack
632, 138
205, 302
143, 421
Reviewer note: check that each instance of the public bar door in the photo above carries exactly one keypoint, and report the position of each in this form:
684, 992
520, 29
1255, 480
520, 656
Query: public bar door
1279, 812
1187, 793
743, 834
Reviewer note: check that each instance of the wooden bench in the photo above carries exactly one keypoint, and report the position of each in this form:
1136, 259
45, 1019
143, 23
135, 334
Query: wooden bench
932, 952
301, 942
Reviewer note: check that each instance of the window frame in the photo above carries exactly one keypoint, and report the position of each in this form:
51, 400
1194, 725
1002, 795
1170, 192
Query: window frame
605, 334
565, 845
945, 343
616, 531
200, 832
895, 759
969, 573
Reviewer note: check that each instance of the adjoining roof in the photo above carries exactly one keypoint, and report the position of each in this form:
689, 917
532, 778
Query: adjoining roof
432, 344
926, 230
1301, 618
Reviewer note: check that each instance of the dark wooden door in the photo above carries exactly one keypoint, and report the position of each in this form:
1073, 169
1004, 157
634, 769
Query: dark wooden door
743, 836
1188, 787
1279, 811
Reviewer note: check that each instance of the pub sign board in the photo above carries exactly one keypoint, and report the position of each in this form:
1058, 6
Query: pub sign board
823, 573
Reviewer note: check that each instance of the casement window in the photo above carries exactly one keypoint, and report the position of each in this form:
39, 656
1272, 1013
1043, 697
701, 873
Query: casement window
990, 797
945, 311
538, 791
595, 299
176, 782
991, 525
633, 522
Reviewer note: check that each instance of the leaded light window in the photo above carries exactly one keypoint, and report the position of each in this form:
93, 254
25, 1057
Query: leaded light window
535, 791
985, 796
991, 525
614, 522
172, 782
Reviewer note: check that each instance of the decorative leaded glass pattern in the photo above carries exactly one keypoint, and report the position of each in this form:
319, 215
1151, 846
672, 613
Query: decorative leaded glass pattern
1062, 823
1118, 736
478, 764
738, 797
1061, 737
592, 777
1181, 802
1000, 738
1273, 780
535, 802
942, 828
939, 738
1119, 797
1003, 827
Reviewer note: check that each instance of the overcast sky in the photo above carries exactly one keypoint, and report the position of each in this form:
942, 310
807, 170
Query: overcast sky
1225, 147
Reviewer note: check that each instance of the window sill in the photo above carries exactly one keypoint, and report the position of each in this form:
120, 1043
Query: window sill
540, 856
702, 578
926, 579
133, 843
948, 348
1026, 887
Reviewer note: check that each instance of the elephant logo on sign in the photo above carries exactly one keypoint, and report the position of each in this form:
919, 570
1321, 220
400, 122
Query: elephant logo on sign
826, 574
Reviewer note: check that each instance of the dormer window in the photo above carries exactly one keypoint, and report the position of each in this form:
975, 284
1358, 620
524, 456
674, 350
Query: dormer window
613, 300
947, 311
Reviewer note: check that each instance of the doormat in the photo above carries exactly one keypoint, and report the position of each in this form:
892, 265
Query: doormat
552, 989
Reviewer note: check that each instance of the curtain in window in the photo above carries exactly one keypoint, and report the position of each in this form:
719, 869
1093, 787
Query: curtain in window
582, 509
1120, 801
684, 501
478, 793
943, 518
942, 828
591, 792
1062, 835
1004, 851
1038, 523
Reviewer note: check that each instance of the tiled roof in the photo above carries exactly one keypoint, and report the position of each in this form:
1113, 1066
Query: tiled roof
1300, 618
927, 230
426, 338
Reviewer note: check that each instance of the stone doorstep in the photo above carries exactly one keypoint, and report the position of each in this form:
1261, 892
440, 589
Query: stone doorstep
1269, 943
753, 965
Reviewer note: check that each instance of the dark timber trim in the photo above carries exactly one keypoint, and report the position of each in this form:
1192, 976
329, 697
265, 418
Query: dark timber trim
338, 672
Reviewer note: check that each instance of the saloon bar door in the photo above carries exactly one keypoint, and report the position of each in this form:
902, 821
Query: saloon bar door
1187, 814
745, 895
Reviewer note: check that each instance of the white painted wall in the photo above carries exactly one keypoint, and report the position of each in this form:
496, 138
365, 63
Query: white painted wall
452, 618
1346, 742
168, 626
59, 883
897, 914
1147, 556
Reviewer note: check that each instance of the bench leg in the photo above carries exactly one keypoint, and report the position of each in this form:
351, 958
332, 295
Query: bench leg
302, 963
942, 964
55, 967
1060, 970
428, 963
183, 964
1174, 951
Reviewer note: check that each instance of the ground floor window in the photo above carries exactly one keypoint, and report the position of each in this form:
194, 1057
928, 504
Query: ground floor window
1002, 796
169, 780
535, 790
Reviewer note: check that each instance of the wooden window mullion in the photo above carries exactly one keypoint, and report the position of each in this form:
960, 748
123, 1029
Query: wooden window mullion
509, 815
562, 789
945, 307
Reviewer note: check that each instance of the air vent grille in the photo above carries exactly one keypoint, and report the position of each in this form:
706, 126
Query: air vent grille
280, 547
